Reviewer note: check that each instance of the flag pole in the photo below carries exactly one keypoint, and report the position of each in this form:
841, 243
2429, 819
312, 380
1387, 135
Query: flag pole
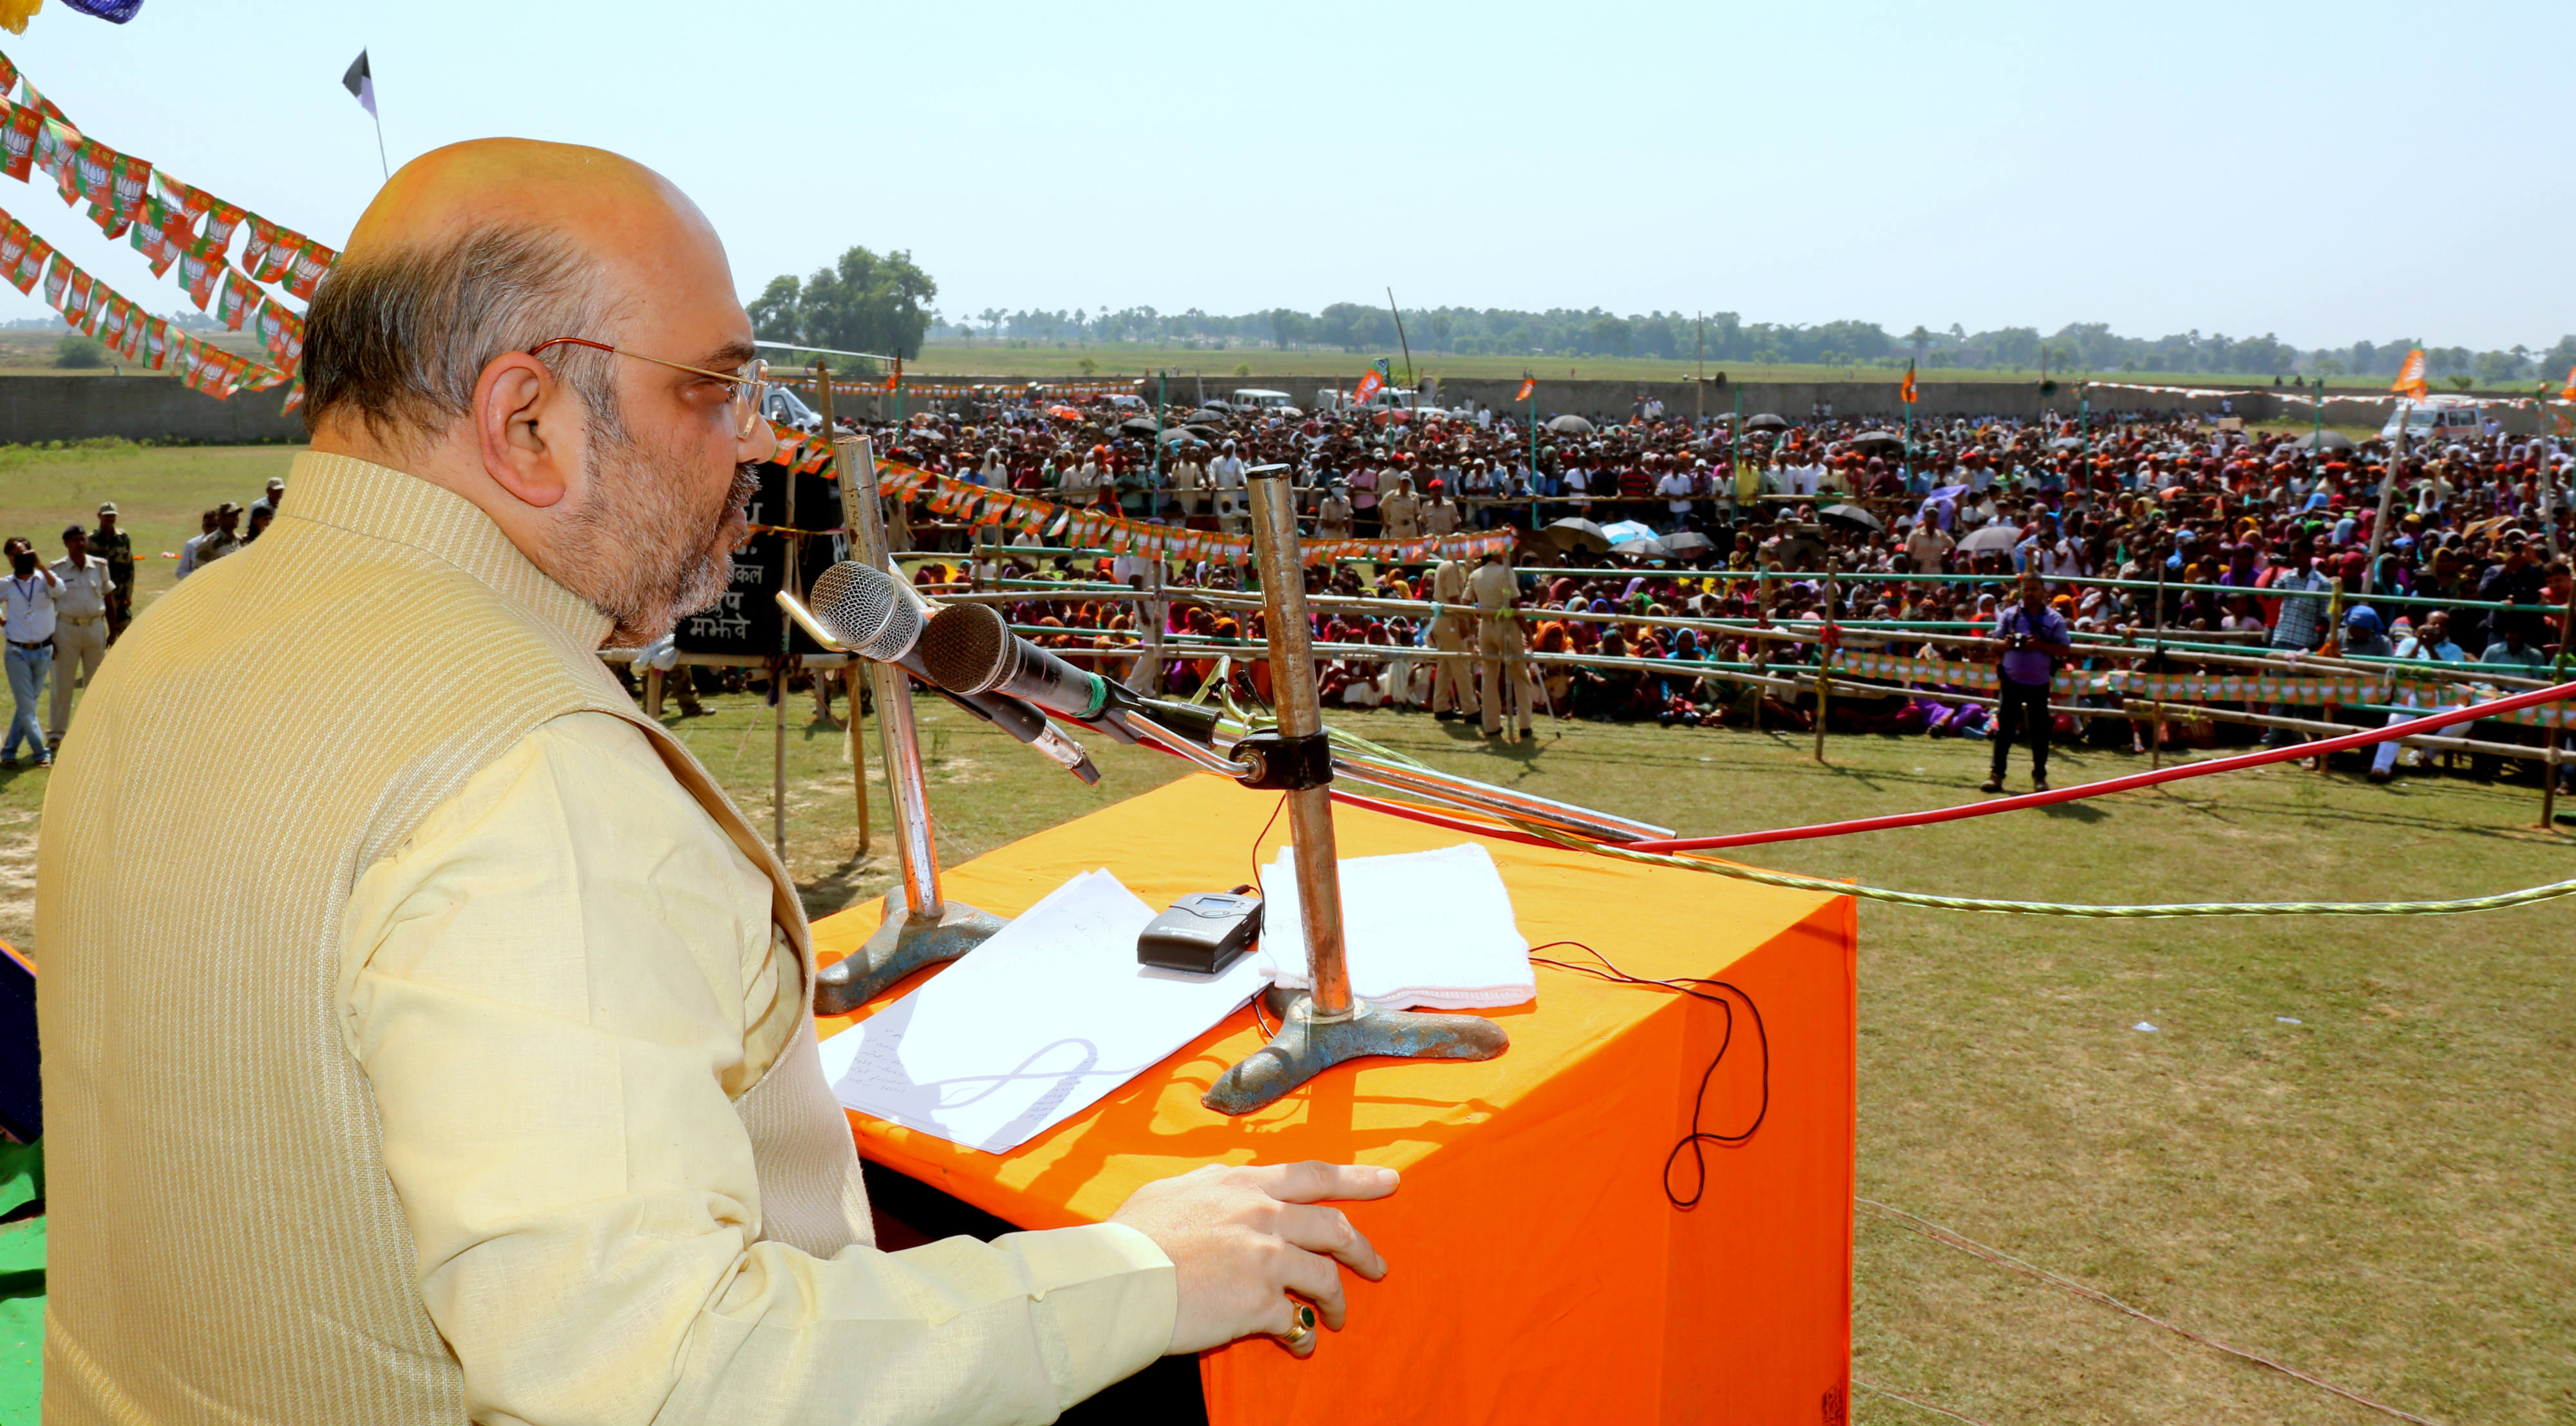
381, 161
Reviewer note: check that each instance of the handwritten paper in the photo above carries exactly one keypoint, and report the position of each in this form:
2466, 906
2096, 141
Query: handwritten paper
1426, 929
1032, 1027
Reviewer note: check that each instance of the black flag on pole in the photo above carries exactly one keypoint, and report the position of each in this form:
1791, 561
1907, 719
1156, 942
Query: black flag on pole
360, 82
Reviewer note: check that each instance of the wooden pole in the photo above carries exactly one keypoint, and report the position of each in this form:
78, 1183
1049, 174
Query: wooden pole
858, 748
2552, 737
850, 679
2156, 667
1825, 658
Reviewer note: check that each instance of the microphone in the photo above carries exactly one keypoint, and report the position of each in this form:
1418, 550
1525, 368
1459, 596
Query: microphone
970, 649
874, 615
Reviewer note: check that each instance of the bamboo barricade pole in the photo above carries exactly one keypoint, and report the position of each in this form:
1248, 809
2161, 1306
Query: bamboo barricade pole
851, 682
1762, 589
2156, 748
1825, 660
2552, 738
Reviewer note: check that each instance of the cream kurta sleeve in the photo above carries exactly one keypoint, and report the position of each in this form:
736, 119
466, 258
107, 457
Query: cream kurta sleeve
551, 988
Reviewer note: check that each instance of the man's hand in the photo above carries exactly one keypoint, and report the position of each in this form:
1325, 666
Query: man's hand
1244, 1238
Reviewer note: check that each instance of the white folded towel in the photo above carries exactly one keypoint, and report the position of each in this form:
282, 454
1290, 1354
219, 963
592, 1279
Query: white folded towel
1422, 929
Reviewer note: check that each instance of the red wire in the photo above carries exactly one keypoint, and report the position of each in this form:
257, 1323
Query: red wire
2337, 744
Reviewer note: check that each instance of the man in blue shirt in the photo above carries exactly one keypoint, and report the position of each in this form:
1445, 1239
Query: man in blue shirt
2029, 638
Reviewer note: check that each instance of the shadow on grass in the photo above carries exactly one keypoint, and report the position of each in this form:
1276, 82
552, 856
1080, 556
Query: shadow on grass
839, 888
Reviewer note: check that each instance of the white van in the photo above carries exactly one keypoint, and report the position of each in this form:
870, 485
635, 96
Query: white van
2440, 422
1254, 399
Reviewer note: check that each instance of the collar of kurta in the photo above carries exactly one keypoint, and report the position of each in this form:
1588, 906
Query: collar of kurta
382, 503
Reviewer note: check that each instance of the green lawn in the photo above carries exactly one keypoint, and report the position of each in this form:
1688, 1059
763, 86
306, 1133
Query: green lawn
2378, 1193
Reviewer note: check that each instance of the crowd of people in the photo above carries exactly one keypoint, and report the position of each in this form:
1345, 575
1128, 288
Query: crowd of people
60, 617
2224, 538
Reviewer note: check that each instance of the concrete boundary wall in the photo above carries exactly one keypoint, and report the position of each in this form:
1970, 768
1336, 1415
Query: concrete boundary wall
35, 409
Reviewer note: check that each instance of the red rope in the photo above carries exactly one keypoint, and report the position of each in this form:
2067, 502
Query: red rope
2363, 738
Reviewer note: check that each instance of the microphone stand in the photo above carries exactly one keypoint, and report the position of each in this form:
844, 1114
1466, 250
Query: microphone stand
925, 927
1327, 1025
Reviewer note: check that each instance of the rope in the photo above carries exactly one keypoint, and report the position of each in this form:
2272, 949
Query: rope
2500, 901
1534, 834
2299, 751
1949, 1238
1892, 1394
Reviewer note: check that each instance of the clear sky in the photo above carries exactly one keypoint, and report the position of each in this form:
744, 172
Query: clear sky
2325, 172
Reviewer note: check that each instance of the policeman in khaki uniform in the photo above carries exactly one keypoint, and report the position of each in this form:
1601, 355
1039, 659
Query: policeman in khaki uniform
80, 624
1401, 511
1453, 682
1500, 642
116, 547
1333, 513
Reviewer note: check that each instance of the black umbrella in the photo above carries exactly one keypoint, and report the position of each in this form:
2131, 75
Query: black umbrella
1687, 543
1573, 534
1648, 548
1766, 422
1573, 424
1180, 436
1139, 425
1886, 440
1851, 515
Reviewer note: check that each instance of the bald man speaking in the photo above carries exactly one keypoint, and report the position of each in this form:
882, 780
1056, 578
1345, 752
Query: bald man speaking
454, 1062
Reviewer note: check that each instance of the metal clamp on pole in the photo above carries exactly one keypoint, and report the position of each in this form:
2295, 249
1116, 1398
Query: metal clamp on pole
1320, 1029
923, 928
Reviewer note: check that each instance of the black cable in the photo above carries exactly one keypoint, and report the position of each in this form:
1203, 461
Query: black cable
1698, 988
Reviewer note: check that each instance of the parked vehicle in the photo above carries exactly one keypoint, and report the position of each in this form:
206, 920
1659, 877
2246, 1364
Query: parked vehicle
2438, 421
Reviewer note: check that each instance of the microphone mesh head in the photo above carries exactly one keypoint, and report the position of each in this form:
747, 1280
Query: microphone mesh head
966, 648
864, 611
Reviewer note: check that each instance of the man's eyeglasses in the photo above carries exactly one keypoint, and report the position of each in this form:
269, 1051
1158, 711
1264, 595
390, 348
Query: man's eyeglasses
750, 384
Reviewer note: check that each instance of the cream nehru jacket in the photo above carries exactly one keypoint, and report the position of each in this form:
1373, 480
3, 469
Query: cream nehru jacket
334, 1136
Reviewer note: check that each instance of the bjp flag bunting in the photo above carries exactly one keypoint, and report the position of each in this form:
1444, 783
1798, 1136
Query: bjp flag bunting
1905, 392
1371, 382
1529, 388
2410, 377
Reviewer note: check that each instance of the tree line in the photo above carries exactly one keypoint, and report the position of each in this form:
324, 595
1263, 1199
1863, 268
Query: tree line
870, 303
1727, 337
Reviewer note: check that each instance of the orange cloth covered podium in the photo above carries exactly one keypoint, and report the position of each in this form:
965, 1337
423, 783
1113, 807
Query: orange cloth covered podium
1537, 1271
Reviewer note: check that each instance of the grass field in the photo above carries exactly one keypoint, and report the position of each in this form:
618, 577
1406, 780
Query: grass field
2379, 1193
1112, 359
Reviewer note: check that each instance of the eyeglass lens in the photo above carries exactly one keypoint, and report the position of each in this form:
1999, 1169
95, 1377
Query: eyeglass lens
753, 394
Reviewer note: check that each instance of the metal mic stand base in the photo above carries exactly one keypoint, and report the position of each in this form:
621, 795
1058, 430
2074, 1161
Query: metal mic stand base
904, 944
1306, 1047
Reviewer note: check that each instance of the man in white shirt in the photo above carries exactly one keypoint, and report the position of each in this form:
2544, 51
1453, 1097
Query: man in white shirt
1677, 488
80, 624
1187, 479
1225, 476
28, 599
1927, 546
188, 551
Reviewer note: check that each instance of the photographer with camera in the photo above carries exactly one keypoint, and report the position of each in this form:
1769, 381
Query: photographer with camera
2029, 639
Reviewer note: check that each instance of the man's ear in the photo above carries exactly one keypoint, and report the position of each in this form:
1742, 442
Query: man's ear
525, 430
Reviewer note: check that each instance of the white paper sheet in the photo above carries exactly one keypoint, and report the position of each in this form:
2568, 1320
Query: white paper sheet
1033, 1026
1421, 929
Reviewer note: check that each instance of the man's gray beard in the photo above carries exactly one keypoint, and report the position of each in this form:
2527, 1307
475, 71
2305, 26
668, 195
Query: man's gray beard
637, 550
